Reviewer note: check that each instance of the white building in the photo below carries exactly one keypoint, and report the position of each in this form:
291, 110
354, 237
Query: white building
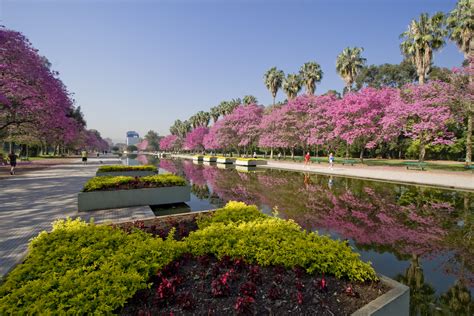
132, 138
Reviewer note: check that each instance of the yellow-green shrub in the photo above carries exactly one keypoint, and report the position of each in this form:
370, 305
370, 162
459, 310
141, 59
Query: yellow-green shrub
273, 241
107, 182
113, 168
232, 212
83, 268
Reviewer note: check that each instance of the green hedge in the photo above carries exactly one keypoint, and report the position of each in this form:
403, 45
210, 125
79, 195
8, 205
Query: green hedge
127, 168
109, 182
82, 268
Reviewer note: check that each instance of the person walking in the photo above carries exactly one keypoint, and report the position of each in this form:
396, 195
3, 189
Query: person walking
307, 157
12, 157
331, 161
255, 155
84, 157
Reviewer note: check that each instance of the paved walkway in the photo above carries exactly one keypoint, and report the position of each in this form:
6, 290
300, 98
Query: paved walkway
439, 178
447, 179
30, 202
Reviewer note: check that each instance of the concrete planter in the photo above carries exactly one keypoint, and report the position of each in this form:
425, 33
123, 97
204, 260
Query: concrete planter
100, 200
225, 160
198, 158
209, 163
249, 169
210, 159
132, 173
250, 162
227, 166
395, 302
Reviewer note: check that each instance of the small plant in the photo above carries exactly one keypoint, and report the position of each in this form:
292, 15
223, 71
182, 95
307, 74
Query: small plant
274, 293
248, 289
220, 286
186, 301
243, 305
299, 297
255, 275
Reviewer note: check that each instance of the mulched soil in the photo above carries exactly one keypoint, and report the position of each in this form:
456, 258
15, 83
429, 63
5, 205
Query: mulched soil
208, 286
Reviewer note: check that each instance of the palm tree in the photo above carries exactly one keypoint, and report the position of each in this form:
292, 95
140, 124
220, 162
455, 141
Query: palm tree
461, 31
460, 24
311, 74
193, 120
292, 85
273, 80
349, 63
249, 99
422, 38
203, 118
215, 113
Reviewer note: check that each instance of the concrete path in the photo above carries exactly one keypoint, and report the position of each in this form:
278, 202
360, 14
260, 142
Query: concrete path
30, 202
446, 179
438, 178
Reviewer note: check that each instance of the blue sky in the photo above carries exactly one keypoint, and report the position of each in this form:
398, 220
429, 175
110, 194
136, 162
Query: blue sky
139, 65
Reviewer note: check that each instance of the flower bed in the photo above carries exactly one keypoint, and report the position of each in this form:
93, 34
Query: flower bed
198, 157
250, 162
131, 171
225, 160
210, 159
118, 192
234, 260
129, 183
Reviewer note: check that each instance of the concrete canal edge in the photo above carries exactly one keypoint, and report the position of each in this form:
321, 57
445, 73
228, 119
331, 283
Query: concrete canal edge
101, 200
395, 302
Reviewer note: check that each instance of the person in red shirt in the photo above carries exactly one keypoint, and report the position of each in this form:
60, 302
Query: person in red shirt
306, 158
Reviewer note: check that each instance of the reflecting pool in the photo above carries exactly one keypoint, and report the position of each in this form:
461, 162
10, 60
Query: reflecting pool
420, 236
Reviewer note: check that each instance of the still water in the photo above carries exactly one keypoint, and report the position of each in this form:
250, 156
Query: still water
417, 235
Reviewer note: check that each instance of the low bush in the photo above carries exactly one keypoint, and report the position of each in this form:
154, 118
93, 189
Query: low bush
127, 168
81, 268
233, 212
247, 159
273, 241
124, 182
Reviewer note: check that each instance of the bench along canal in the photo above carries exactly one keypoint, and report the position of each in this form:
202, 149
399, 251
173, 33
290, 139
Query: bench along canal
419, 236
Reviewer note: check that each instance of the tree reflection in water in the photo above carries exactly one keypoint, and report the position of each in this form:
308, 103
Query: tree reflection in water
413, 223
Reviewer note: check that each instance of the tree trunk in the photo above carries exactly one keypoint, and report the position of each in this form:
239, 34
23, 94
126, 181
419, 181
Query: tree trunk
422, 151
292, 153
274, 100
469, 138
271, 153
362, 154
347, 151
421, 79
317, 151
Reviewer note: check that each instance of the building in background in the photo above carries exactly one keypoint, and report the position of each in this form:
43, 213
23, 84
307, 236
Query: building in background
132, 138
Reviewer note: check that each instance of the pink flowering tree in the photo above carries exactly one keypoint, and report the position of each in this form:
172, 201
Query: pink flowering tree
143, 145
357, 117
170, 143
244, 123
195, 139
422, 113
319, 123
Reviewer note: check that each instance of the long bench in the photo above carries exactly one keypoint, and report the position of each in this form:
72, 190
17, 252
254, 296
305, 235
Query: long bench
350, 162
415, 165
469, 167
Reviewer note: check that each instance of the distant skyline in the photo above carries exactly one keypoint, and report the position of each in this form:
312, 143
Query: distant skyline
139, 65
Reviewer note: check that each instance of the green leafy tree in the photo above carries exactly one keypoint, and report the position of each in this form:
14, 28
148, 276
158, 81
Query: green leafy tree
386, 75
348, 65
153, 140
311, 74
292, 85
273, 80
422, 38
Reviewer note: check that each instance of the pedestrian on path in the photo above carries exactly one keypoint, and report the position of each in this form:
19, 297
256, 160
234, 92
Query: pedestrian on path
255, 155
331, 161
84, 157
12, 157
307, 157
